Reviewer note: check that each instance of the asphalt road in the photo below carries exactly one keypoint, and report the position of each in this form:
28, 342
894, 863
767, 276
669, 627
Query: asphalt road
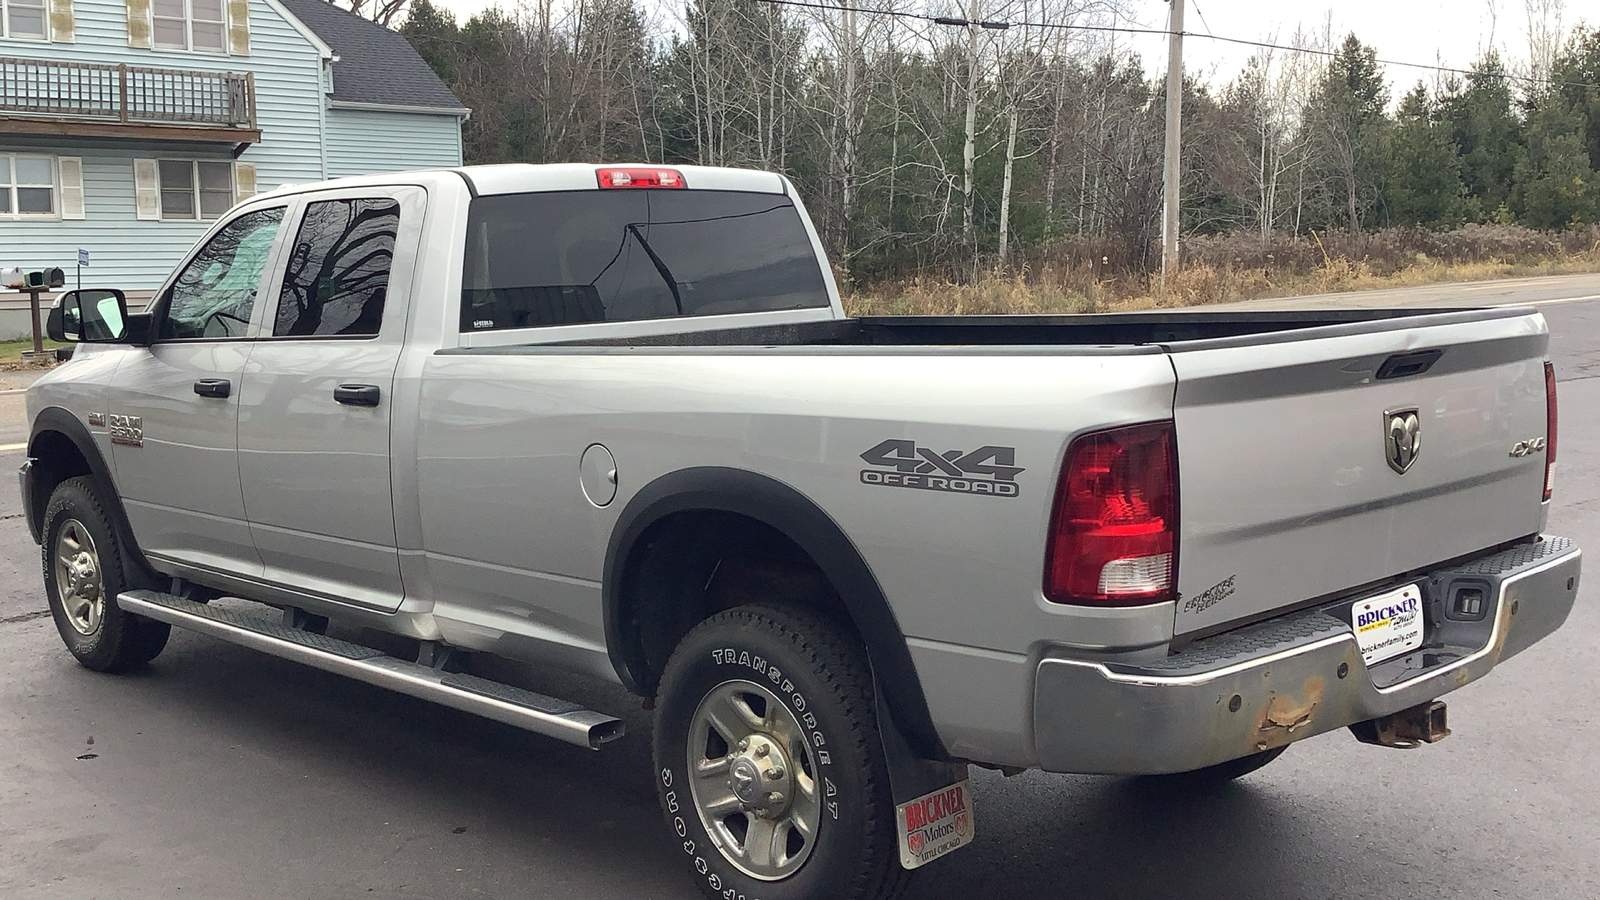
222, 773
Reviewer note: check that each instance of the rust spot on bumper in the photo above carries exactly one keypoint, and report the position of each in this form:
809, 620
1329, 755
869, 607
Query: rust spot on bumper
1287, 713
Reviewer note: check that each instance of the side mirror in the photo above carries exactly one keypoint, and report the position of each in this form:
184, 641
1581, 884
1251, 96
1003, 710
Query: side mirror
98, 316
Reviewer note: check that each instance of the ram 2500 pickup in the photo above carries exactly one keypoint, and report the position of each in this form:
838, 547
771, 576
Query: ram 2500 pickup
614, 420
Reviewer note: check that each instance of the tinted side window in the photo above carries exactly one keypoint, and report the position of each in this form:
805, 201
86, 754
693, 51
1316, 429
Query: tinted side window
560, 258
216, 292
338, 275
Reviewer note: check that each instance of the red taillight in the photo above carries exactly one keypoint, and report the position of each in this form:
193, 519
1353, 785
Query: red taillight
1550, 430
640, 178
1113, 535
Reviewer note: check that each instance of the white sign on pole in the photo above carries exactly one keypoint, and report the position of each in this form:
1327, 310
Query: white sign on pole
83, 257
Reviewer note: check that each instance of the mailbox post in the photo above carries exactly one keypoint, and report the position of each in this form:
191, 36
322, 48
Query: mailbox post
37, 283
33, 305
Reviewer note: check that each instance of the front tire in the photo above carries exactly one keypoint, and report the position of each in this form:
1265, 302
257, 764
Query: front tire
85, 568
768, 761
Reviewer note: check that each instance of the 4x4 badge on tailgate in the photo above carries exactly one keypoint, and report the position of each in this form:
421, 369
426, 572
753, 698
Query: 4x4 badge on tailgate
990, 471
1402, 438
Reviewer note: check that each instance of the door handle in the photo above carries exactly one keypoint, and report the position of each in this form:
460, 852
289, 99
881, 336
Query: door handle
213, 387
356, 394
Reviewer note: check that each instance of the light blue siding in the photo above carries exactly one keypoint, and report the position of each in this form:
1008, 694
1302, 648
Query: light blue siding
300, 143
364, 142
123, 253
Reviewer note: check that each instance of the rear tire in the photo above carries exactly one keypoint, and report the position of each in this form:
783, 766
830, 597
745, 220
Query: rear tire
85, 568
766, 730
1219, 774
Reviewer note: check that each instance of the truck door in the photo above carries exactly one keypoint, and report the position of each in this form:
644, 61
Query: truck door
173, 409
314, 411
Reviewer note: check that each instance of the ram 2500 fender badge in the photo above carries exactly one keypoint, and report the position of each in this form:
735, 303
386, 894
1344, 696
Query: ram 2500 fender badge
988, 471
127, 430
1402, 438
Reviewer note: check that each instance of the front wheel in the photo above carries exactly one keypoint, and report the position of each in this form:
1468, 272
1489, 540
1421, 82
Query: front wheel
85, 569
768, 762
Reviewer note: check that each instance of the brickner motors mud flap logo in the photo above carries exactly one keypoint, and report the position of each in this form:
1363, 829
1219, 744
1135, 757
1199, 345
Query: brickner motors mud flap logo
935, 824
989, 471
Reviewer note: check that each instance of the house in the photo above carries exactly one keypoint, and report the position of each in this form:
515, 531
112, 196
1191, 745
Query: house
127, 126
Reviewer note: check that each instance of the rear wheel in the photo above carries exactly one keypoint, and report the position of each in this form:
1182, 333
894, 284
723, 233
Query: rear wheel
1221, 773
85, 568
768, 761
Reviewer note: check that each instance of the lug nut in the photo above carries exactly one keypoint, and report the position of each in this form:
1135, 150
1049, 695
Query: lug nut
774, 797
744, 745
774, 773
763, 750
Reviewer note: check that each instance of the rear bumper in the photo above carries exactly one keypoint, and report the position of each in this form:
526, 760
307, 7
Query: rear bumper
1278, 682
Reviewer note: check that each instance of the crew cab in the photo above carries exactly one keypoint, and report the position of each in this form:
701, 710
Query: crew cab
614, 420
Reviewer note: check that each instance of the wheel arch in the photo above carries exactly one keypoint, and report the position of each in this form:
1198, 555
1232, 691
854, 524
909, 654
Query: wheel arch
60, 447
795, 517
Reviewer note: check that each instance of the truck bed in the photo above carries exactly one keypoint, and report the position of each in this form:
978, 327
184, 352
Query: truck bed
1083, 330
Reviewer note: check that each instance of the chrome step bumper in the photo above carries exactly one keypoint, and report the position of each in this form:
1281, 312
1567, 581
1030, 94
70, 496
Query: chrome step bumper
1290, 678
524, 709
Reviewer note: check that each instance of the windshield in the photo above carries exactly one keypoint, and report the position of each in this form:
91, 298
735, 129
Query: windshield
567, 257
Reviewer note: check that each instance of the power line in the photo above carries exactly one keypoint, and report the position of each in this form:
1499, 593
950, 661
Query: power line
1203, 23
1127, 29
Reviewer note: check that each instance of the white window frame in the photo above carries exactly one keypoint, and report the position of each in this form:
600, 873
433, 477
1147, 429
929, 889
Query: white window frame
188, 29
5, 22
8, 175
195, 190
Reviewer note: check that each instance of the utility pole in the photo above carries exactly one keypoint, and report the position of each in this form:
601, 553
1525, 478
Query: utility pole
1174, 150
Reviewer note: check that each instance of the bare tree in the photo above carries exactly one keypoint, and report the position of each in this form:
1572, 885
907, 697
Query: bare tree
1545, 34
384, 12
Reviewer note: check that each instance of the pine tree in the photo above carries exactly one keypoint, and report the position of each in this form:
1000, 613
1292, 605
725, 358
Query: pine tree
1424, 181
1346, 116
1556, 185
1486, 134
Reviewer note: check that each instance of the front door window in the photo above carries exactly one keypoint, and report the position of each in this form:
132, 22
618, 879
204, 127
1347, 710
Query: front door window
216, 292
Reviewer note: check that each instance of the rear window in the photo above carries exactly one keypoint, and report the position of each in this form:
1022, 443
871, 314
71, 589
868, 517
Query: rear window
569, 257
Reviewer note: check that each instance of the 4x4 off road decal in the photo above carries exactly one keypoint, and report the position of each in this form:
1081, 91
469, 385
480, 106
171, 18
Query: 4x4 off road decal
988, 471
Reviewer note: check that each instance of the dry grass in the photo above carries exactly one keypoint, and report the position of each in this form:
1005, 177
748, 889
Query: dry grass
1235, 268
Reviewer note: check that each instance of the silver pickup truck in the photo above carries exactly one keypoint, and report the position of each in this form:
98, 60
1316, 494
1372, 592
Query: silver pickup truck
615, 421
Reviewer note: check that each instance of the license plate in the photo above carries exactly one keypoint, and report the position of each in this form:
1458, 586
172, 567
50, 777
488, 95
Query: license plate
1389, 624
935, 824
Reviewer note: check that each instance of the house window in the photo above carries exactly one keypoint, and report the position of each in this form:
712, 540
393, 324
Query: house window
187, 24
27, 185
23, 19
195, 190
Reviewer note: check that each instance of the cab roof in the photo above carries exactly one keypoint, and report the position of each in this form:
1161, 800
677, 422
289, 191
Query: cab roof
523, 178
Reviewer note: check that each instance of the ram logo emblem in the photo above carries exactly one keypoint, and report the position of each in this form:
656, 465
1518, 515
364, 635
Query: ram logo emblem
1402, 438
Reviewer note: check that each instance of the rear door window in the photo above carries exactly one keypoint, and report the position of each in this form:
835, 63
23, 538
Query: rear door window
338, 275
569, 257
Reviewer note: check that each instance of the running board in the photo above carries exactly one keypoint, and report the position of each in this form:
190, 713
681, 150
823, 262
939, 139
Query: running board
524, 709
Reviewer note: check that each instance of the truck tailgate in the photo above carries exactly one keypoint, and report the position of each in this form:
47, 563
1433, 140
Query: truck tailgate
1287, 489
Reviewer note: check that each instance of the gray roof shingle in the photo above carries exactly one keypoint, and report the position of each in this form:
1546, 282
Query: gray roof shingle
375, 65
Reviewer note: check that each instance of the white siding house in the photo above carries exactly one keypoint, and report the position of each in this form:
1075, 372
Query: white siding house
127, 126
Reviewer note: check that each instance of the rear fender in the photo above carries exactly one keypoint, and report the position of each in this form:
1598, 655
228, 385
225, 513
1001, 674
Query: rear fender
794, 516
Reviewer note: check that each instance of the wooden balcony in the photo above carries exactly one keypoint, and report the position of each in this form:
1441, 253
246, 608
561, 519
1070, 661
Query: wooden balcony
95, 100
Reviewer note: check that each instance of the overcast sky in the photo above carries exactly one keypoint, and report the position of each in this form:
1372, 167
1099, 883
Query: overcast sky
1422, 31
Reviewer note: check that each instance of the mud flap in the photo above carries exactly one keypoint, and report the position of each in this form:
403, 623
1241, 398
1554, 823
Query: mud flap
932, 799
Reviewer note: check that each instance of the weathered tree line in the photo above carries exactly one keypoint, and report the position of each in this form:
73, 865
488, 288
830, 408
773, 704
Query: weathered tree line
924, 148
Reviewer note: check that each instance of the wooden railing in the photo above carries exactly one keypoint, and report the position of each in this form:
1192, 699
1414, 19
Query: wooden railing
124, 93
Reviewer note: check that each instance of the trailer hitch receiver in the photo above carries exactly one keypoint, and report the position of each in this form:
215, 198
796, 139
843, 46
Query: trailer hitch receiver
1421, 724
